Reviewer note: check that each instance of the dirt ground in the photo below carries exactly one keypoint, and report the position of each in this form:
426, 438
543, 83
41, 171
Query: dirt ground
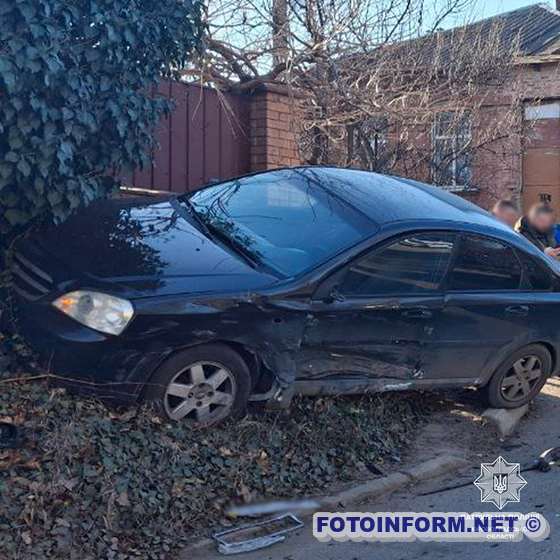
455, 426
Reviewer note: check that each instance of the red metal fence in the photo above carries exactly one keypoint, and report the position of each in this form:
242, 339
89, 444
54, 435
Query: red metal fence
204, 139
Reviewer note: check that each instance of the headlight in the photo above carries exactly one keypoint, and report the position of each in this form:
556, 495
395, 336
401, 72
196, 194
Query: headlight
101, 312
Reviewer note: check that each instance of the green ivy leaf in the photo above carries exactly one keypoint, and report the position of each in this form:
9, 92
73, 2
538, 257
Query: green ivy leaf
24, 167
16, 217
74, 95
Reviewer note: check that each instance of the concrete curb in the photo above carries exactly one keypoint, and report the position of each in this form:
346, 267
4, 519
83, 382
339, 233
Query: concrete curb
436, 467
505, 420
370, 490
443, 464
378, 487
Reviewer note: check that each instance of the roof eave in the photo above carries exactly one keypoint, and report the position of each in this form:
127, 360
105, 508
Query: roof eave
537, 59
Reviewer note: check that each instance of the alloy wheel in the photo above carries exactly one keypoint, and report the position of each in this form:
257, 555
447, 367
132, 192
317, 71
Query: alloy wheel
521, 378
202, 393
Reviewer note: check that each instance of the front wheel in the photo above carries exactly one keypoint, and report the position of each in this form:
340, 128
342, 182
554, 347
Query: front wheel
520, 378
201, 386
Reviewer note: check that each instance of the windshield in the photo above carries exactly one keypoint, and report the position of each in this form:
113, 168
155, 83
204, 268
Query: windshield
284, 219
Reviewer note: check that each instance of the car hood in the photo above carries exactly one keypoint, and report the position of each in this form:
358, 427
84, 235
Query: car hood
142, 248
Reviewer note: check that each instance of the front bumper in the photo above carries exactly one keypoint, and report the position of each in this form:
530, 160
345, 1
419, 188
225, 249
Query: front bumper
109, 367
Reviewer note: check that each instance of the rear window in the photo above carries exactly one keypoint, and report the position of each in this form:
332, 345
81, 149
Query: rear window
484, 264
537, 276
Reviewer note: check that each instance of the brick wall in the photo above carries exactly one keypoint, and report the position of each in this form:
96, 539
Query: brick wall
539, 81
498, 170
497, 167
273, 128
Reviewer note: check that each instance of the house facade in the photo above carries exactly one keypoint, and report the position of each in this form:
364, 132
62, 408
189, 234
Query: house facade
536, 175
523, 165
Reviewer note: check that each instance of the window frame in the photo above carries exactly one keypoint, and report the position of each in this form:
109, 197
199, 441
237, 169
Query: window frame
454, 139
332, 282
460, 240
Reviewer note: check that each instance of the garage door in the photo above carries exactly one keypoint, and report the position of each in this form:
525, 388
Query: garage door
541, 158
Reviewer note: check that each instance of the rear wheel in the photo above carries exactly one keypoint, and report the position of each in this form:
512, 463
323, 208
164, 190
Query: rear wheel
201, 386
520, 378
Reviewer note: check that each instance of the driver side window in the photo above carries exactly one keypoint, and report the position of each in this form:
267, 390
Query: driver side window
414, 264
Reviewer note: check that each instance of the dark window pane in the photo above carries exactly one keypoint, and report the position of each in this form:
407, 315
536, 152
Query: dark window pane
414, 264
537, 276
485, 264
463, 169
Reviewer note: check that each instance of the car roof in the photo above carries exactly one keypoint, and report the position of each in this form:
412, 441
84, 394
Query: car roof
394, 200
399, 203
387, 199
396, 204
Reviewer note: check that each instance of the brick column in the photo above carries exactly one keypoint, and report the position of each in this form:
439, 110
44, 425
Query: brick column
273, 128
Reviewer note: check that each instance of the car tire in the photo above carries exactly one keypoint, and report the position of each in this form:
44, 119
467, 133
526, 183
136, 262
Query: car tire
202, 386
520, 378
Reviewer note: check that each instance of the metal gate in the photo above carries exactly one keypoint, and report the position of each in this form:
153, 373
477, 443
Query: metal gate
204, 139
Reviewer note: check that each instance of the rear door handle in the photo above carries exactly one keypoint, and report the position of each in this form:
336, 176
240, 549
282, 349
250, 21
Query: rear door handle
417, 313
518, 310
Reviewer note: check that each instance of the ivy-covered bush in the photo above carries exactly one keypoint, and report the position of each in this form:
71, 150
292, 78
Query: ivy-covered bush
75, 105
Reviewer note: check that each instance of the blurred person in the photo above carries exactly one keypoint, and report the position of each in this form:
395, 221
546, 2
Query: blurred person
506, 211
538, 227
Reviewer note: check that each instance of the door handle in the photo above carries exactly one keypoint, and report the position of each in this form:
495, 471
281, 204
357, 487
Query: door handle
417, 313
518, 310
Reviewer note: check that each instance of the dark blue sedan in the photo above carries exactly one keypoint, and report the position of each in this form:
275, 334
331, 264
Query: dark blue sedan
309, 280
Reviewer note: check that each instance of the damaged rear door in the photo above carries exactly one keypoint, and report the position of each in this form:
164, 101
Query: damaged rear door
370, 320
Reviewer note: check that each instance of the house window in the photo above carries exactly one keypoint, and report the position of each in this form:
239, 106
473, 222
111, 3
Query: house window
451, 142
541, 111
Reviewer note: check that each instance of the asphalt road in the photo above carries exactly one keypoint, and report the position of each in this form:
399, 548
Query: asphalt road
539, 431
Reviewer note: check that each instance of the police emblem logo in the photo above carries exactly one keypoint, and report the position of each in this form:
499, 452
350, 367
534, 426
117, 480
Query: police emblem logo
500, 482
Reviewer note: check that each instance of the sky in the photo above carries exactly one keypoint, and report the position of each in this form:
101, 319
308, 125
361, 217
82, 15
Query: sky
488, 8
473, 10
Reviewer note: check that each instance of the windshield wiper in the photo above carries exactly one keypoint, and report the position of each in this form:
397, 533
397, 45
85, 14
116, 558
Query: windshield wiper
233, 244
194, 214
212, 232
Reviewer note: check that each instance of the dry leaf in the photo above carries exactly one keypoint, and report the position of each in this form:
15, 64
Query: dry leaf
123, 500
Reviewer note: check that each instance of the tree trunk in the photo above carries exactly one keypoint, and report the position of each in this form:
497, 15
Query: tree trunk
280, 31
